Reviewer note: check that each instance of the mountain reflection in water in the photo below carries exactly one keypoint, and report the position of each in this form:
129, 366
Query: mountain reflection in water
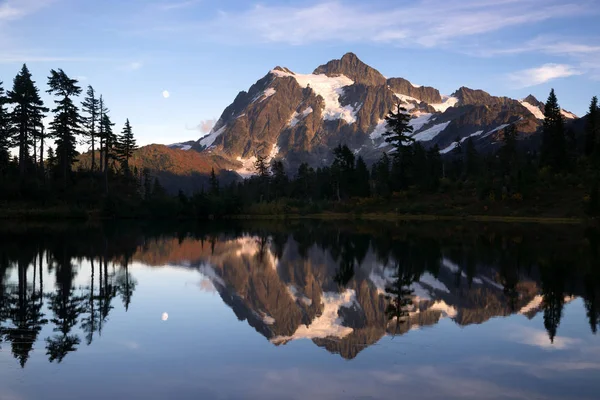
342, 287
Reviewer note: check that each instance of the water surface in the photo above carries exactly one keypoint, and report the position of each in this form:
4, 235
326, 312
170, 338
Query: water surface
299, 310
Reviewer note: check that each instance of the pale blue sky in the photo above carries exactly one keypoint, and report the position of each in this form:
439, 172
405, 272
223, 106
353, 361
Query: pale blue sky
204, 52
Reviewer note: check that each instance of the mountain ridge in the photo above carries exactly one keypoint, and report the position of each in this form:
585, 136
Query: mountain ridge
301, 117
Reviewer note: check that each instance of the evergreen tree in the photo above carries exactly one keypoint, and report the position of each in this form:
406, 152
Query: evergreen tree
91, 108
434, 161
110, 142
126, 145
5, 132
67, 121
362, 184
554, 144
472, 158
102, 111
381, 176
343, 171
592, 129
26, 114
158, 191
214, 183
261, 167
280, 179
400, 131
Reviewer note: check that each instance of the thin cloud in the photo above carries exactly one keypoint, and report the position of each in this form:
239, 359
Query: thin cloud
177, 6
542, 74
132, 66
428, 23
11, 10
540, 339
206, 125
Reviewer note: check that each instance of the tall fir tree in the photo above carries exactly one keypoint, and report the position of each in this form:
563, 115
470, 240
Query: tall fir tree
91, 109
102, 110
66, 124
554, 143
400, 131
362, 179
110, 142
214, 183
26, 115
126, 146
5, 132
592, 130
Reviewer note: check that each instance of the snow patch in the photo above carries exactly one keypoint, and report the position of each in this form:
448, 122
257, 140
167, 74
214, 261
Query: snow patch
534, 304
248, 169
330, 89
444, 308
329, 324
264, 95
496, 129
432, 282
420, 292
533, 109
298, 297
420, 121
454, 144
431, 133
379, 130
447, 102
209, 139
296, 118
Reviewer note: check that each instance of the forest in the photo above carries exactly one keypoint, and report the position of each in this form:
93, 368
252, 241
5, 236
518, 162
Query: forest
558, 178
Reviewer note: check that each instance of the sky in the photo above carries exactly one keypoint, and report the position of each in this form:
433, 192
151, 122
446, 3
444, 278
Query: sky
172, 66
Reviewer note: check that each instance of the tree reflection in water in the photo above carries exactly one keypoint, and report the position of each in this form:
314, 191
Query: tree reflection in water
481, 271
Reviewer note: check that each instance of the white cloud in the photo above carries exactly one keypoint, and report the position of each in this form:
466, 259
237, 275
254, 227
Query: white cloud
545, 73
427, 23
539, 338
166, 94
206, 125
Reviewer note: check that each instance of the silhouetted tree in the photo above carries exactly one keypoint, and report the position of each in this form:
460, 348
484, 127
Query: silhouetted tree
400, 130
91, 108
214, 183
554, 150
5, 132
592, 129
362, 179
66, 124
126, 145
26, 114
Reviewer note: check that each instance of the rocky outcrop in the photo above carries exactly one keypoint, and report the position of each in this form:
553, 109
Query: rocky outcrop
424, 93
352, 67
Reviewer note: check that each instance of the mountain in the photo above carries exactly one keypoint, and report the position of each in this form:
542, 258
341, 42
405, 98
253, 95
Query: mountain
175, 169
301, 117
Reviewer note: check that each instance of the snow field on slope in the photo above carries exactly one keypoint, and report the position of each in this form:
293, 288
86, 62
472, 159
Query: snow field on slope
330, 89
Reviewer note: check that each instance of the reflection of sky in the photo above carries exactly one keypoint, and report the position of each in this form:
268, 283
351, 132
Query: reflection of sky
203, 351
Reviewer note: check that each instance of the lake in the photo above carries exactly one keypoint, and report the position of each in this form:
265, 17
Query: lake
299, 310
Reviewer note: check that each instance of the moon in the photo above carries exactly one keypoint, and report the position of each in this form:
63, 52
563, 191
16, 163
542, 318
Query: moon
166, 94
165, 316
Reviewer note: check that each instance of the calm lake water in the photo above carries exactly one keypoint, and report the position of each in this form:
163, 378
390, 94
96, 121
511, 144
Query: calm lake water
305, 310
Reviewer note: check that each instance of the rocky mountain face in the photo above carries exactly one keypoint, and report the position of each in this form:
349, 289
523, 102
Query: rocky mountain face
301, 117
